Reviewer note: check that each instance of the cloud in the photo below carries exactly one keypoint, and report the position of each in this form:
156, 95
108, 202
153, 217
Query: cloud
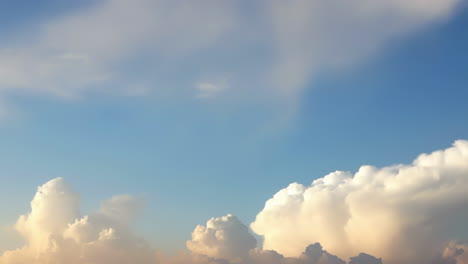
227, 240
224, 238
453, 253
209, 90
278, 47
88, 49
315, 254
399, 213
316, 36
364, 258
56, 232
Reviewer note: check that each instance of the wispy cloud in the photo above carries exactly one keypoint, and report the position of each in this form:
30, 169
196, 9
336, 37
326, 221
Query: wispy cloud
117, 43
207, 90
83, 50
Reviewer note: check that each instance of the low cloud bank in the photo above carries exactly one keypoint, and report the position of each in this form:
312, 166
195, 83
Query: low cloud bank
402, 213
398, 214
56, 232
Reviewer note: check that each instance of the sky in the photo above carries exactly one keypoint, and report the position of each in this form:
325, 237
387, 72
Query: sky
183, 112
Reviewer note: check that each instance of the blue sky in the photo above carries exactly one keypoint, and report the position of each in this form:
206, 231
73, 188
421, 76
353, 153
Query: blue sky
192, 153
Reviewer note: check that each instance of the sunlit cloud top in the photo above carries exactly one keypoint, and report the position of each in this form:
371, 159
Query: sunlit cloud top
402, 213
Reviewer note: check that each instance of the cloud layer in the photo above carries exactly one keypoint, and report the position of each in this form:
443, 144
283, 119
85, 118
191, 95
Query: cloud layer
55, 233
131, 47
399, 214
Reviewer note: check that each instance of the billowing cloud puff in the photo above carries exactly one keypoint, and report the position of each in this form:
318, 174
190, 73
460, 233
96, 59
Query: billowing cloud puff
313, 254
402, 213
56, 233
225, 238
364, 258
454, 253
53, 207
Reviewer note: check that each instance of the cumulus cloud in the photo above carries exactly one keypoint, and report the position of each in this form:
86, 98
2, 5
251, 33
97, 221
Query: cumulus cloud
225, 238
399, 213
454, 253
313, 254
56, 232
364, 258
93, 48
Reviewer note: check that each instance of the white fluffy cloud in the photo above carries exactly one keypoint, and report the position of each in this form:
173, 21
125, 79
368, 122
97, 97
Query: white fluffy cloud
92, 48
56, 199
226, 239
223, 238
56, 233
401, 213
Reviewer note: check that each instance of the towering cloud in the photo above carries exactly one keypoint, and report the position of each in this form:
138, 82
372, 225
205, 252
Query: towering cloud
402, 213
56, 233
54, 206
223, 238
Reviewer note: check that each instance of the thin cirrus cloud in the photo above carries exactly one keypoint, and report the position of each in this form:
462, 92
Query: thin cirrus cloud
206, 90
117, 45
412, 213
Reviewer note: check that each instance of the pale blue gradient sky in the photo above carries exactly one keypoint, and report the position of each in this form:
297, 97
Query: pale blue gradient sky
192, 158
